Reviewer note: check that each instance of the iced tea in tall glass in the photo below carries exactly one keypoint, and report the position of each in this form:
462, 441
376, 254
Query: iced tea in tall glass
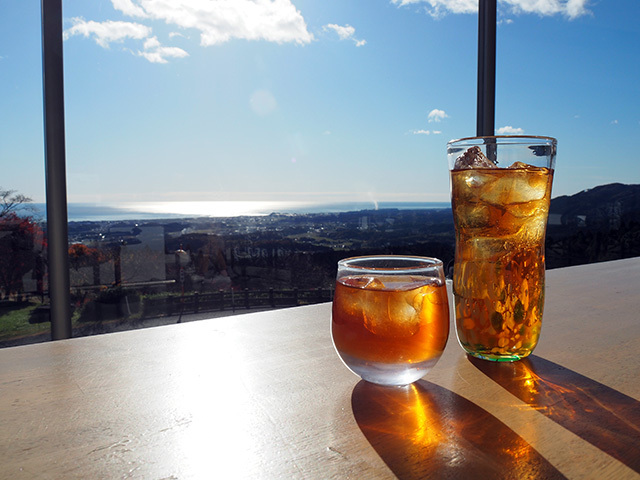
500, 195
390, 319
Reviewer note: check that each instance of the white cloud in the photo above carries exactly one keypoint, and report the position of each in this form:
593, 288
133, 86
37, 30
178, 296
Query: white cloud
345, 32
439, 7
156, 53
569, 8
436, 115
576, 8
151, 43
129, 8
509, 130
426, 132
220, 21
614, 122
107, 32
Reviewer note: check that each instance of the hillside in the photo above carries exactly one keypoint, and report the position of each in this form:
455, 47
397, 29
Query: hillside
602, 208
595, 225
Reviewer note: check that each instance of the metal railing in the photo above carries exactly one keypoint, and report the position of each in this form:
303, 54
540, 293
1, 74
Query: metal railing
225, 300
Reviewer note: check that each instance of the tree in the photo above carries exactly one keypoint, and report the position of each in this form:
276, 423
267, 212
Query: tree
21, 247
22, 244
10, 200
81, 255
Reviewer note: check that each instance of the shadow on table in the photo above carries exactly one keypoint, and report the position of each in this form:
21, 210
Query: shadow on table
426, 431
602, 416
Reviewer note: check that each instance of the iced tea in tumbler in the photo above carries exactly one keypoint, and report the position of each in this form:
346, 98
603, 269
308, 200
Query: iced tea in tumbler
500, 195
390, 319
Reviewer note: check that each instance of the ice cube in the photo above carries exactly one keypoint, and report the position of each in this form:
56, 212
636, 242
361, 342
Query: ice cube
473, 158
428, 302
391, 314
527, 187
487, 248
403, 315
373, 283
473, 215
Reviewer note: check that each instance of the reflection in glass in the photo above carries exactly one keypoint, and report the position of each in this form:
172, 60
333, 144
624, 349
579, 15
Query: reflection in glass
23, 303
426, 431
606, 418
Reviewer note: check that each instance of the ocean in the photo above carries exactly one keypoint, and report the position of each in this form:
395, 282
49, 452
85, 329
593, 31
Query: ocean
86, 212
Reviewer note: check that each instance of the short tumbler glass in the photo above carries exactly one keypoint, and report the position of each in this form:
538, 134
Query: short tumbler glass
390, 319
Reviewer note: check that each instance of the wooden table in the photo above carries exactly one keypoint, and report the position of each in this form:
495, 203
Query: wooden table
263, 395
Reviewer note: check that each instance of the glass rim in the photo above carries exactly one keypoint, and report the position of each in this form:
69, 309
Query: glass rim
532, 138
421, 263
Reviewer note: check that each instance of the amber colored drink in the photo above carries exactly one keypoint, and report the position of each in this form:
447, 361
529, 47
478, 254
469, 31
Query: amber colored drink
389, 320
500, 217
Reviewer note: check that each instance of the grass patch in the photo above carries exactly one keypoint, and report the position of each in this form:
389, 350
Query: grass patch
14, 321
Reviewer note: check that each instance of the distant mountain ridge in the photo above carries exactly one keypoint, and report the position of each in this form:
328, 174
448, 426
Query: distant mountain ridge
595, 225
602, 207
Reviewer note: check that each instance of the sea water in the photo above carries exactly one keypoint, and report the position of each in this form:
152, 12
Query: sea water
88, 212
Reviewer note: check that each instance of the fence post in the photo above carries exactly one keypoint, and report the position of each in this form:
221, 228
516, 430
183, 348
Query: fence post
272, 301
246, 298
295, 296
196, 302
221, 293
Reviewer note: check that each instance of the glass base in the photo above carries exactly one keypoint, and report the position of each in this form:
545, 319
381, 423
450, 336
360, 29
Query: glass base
496, 357
390, 374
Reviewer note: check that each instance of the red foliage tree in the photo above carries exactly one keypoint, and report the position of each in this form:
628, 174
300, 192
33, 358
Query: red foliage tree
81, 255
22, 245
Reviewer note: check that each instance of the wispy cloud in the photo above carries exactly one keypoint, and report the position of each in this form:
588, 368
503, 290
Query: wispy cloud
223, 20
426, 132
156, 53
436, 115
108, 32
345, 32
105, 33
509, 130
569, 8
439, 7
216, 22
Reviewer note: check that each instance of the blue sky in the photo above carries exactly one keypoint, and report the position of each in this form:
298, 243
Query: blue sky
309, 100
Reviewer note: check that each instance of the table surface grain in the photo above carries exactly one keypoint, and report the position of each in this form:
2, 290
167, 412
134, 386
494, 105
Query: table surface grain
263, 395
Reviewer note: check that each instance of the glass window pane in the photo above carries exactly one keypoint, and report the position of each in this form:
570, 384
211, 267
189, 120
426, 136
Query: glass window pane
24, 316
187, 128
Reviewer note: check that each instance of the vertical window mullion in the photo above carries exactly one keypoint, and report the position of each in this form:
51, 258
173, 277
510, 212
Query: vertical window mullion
55, 170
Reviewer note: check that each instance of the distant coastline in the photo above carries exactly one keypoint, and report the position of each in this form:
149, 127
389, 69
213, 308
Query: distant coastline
86, 212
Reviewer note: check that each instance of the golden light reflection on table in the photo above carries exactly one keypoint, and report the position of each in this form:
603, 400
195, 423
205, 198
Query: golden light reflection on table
606, 418
426, 431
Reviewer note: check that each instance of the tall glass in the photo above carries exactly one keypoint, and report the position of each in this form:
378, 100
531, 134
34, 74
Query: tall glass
500, 195
390, 320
